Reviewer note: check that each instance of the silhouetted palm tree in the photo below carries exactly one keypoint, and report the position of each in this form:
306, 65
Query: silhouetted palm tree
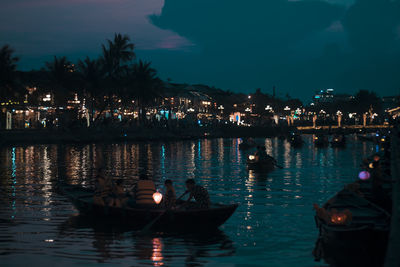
60, 70
144, 85
7, 72
92, 77
116, 56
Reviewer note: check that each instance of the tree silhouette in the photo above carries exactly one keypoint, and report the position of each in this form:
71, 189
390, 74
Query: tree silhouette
116, 56
143, 85
365, 100
60, 74
91, 76
7, 72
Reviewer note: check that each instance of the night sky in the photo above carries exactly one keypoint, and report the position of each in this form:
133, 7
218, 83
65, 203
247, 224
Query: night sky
298, 46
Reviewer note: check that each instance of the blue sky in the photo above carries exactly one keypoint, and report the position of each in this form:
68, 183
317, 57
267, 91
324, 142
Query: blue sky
297, 46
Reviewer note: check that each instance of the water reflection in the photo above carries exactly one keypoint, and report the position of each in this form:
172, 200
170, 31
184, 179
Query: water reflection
273, 224
156, 249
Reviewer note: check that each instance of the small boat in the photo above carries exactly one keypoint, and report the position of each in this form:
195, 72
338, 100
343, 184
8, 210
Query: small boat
352, 231
185, 219
338, 140
295, 140
321, 140
263, 165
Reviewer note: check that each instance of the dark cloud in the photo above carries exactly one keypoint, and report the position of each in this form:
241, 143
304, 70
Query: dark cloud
256, 24
372, 25
300, 46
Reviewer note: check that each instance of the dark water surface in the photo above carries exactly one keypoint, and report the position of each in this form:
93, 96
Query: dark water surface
273, 226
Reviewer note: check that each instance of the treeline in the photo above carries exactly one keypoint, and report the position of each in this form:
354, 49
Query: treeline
113, 79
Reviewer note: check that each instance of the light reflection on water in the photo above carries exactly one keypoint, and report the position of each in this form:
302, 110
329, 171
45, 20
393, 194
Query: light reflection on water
273, 225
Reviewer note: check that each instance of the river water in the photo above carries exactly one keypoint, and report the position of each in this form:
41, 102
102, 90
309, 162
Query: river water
273, 226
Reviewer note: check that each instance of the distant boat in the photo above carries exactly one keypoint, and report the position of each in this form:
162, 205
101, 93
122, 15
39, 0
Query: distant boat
268, 164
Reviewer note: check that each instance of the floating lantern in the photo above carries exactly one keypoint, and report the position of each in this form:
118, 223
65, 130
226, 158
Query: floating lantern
364, 175
382, 139
338, 218
371, 165
252, 157
157, 196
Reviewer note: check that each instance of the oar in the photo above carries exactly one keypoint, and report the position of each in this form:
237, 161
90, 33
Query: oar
279, 166
152, 222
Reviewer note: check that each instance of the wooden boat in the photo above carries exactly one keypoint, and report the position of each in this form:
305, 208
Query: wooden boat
338, 141
185, 219
264, 165
353, 231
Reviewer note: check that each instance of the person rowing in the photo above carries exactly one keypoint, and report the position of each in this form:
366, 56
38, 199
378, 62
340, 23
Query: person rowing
103, 189
262, 156
198, 193
169, 201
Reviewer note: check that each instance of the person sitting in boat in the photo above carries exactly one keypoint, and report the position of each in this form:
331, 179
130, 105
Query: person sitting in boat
144, 190
103, 189
119, 195
260, 154
169, 196
199, 193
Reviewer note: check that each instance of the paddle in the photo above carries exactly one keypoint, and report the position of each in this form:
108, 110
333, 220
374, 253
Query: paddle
152, 222
279, 166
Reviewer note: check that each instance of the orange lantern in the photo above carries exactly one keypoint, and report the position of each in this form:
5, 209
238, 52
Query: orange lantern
157, 197
371, 165
338, 218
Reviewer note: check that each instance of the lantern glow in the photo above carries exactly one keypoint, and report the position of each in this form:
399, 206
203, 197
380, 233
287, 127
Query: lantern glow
252, 157
339, 218
371, 165
364, 175
157, 197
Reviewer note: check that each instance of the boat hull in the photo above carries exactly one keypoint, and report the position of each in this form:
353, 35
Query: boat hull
359, 242
137, 217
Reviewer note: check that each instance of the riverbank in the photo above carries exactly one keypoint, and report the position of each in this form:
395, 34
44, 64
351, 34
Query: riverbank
136, 134
106, 135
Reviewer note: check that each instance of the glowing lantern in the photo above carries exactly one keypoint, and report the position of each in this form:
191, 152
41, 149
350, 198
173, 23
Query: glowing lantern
364, 175
371, 165
338, 218
382, 139
252, 157
316, 138
157, 196
376, 158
